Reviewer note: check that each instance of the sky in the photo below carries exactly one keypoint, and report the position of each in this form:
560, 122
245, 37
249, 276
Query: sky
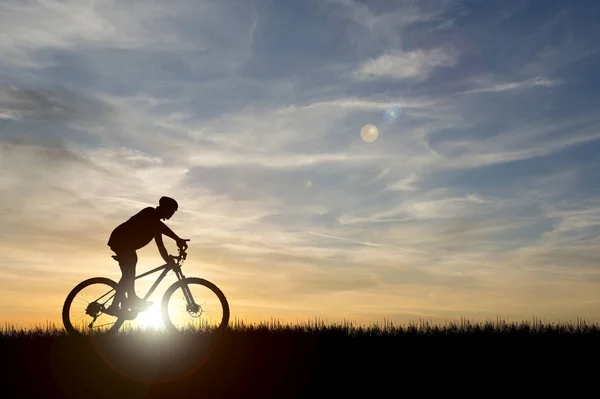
472, 191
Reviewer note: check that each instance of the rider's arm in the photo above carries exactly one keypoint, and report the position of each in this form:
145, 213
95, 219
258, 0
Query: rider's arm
161, 247
164, 229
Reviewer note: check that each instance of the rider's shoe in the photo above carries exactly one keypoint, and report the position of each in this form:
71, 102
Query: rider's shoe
113, 310
140, 303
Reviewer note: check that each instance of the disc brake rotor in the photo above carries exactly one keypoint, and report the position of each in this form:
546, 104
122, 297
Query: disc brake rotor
194, 310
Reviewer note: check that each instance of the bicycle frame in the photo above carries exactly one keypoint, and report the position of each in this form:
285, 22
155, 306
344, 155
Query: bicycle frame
165, 269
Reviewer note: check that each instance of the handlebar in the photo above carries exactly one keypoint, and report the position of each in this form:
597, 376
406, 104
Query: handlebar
182, 255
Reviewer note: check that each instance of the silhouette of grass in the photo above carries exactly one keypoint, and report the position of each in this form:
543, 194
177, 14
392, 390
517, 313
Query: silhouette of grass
317, 327
463, 327
275, 359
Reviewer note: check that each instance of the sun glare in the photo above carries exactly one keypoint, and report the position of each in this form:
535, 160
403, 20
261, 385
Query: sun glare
151, 318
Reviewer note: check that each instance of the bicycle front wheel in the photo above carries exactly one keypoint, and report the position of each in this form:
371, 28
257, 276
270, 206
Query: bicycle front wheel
84, 309
194, 304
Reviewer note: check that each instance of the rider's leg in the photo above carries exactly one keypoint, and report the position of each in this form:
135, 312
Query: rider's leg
127, 261
128, 280
119, 294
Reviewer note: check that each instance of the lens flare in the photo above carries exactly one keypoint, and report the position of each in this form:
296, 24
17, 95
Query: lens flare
369, 133
390, 115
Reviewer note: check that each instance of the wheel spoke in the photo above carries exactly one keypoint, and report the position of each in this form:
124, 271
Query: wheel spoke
104, 325
77, 304
81, 300
213, 310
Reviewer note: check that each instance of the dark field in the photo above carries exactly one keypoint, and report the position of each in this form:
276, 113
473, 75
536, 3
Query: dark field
308, 360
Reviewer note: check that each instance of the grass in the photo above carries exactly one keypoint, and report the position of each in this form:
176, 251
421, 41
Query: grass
306, 359
464, 327
461, 328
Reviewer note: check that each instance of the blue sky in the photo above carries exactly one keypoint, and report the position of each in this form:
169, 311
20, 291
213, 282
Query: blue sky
478, 198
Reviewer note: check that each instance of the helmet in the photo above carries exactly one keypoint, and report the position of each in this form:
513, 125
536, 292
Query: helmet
167, 202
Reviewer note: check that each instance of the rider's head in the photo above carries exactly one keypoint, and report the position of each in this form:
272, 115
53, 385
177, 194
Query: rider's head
166, 207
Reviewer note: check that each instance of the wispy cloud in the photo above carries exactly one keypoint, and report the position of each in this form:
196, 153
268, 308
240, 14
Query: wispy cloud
416, 64
525, 84
10, 114
405, 184
343, 239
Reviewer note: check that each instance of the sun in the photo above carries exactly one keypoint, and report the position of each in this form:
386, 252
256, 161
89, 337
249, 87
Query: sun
151, 318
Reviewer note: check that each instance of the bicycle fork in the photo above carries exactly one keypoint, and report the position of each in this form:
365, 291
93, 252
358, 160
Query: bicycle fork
192, 306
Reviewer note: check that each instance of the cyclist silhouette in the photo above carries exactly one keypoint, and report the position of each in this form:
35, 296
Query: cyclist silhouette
134, 234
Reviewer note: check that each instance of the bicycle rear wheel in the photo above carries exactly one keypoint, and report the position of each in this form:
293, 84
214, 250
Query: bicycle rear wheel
84, 309
194, 304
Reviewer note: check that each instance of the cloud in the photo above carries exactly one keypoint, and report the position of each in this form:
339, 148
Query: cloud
405, 184
212, 159
432, 205
58, 104
417, 64
380, 26
10, 114
525, 84
523, 143
50, 24
342, 238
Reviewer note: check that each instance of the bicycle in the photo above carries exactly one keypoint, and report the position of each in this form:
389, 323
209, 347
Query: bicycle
101, 290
